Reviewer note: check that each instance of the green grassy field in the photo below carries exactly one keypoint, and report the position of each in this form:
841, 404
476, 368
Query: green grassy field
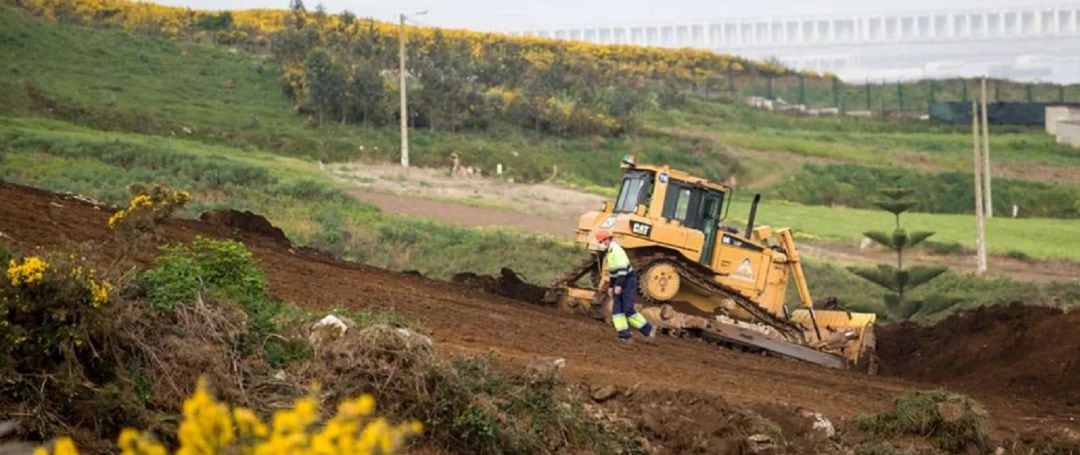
1037, 237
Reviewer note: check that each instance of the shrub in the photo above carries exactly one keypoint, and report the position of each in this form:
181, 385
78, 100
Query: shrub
49, 312
955, 422
217, 269
945, 248
310, 191
1016, 254
478, 409
211, 428
147, 208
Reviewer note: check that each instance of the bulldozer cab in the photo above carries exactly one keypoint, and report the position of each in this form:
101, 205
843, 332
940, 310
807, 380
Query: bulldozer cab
674, 198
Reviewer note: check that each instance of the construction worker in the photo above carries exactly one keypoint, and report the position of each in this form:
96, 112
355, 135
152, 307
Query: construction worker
622, 289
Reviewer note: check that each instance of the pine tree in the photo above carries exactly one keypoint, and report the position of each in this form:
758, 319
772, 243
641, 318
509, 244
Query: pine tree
896, 200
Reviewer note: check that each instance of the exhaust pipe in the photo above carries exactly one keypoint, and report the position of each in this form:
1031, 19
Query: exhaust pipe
753, 214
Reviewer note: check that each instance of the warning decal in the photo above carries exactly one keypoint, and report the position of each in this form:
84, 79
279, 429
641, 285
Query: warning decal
744, 271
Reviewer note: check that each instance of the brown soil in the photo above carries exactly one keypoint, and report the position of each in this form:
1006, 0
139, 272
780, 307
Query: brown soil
462, 319
1012, 351
508, 284
246, 222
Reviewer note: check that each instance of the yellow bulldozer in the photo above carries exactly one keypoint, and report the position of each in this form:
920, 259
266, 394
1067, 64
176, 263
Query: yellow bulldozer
700, 276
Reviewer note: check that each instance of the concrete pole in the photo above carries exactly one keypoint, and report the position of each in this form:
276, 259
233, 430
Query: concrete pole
401, 85
980, 233
986, 154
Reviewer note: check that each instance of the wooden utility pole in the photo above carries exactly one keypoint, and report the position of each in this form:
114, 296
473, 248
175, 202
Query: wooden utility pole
986, 154
980, 233
401, 88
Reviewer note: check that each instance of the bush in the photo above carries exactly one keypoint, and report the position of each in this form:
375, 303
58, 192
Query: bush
51, 310
468, 404
148, 206
1016, 254
955, 422
211, 428
945, 248
309, 190
223, 270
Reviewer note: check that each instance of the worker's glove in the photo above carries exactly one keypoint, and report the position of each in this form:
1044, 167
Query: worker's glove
618, 290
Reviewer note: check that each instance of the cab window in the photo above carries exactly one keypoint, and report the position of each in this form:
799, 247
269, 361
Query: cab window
636, 189
682, 204
693, 206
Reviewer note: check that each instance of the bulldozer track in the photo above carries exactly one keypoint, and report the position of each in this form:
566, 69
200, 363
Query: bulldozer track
790, 331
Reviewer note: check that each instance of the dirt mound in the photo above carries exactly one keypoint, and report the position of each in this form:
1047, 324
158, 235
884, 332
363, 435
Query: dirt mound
246, 222
508, 284
1011, 350
680, 421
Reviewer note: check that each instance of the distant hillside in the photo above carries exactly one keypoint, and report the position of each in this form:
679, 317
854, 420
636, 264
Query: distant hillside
205, 84
341, 68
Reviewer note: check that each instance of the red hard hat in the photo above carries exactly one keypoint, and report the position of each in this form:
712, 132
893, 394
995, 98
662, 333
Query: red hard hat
602, 235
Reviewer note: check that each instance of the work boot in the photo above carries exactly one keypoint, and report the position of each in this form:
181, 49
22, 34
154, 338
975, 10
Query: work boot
651, 337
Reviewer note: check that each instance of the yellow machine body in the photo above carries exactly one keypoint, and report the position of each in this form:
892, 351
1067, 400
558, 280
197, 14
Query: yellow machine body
671, 224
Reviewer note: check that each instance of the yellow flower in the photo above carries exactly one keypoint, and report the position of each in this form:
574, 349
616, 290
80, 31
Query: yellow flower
116, 219
139, 201
63, 446
30, 272
207, 427
133, 442
99, 293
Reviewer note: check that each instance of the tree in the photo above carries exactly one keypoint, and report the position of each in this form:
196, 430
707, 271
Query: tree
896, 200
297, 16
366, 92
323, 83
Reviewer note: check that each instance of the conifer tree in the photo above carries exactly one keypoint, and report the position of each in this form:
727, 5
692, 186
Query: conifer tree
897, 200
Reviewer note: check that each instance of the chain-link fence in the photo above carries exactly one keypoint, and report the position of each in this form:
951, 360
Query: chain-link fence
885, 97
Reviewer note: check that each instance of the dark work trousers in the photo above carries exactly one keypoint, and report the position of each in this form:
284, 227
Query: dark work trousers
623, 314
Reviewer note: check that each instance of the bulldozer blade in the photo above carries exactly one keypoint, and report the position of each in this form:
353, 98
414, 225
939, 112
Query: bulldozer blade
746, 337
719, 331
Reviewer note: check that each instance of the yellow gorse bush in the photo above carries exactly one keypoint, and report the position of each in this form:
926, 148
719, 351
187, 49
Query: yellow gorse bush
211, 428
63, 446
148, 206
30, 272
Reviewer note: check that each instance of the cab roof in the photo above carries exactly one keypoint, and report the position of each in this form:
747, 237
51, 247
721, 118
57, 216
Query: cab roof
681, 176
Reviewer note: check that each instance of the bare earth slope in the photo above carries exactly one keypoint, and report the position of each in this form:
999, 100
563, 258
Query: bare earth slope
463, 320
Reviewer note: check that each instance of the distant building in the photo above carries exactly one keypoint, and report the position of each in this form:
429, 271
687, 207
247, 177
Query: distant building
1034, 43
1057, 114
1068, 132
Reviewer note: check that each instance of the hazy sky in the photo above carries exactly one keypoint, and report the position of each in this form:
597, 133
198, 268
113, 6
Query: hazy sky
502, 15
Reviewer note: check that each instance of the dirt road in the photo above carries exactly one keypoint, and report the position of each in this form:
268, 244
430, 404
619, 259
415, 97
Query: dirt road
467, 215
463, 320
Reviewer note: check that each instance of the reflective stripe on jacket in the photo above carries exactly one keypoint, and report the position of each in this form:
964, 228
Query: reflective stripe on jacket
617, 261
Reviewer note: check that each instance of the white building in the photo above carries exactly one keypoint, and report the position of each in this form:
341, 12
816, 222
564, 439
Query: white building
1039, 43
